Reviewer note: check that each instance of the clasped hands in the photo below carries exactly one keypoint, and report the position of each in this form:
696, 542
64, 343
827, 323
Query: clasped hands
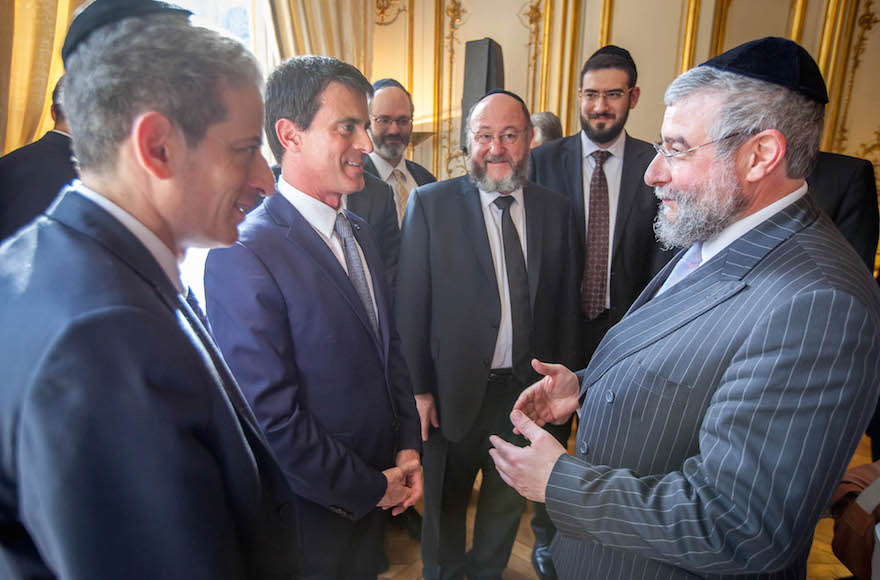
405, 485
551, 400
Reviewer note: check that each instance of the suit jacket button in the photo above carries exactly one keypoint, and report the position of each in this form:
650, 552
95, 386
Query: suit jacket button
486, 362
585, 449
609, 396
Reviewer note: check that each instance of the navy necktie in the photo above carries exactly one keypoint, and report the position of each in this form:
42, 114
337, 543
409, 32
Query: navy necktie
518, 290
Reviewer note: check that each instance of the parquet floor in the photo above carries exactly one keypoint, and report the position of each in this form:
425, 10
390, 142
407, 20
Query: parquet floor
405, 561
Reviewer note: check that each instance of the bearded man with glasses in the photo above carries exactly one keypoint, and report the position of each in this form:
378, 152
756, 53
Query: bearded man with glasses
601, 171
717, 417
488, 280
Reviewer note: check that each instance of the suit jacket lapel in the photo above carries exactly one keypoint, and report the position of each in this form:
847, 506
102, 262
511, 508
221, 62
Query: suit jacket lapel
650, 319
475, 226
573, 170
79, 213
534, 240
630, 184
301, 234
371, 253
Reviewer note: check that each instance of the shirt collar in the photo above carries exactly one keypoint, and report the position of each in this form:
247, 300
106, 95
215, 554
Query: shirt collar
162, 253
616, 148
487, 198
61, 132
728, 235
383, 168
321, 216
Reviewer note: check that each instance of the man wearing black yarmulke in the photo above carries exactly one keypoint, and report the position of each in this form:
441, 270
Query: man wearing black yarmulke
719, 414
126, 448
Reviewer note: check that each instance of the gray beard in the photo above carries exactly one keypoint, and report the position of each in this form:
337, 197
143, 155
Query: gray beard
516, 180
703, 212
387, 151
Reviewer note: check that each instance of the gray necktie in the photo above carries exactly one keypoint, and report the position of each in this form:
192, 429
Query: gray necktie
518, 290
356, 268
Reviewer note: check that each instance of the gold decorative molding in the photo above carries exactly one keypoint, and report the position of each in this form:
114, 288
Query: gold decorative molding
837, 33
387, 11
410, 44
456, 12
560, 66
545, 56
605, 22
719, 27
531, 16
798, 13
866, 22
572, 40
689, 43
439, 21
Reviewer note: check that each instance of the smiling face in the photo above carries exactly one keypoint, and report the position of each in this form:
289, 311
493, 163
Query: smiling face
701, 194
390, 142
501, 164
223, 177
330, 153
603, 119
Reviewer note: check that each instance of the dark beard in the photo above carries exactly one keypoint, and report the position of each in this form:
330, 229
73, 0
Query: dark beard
606, 135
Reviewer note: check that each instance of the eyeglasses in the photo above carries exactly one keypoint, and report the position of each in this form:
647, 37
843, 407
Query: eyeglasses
678, 155
611, 96
385, 122
508, 138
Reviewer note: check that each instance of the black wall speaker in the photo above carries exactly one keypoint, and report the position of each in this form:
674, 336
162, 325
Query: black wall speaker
483, 71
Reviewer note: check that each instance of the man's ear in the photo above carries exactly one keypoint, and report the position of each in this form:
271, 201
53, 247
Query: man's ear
766, 152
151, 136
289, 135
634, 95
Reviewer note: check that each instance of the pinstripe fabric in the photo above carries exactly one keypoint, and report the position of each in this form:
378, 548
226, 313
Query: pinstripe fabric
717, 418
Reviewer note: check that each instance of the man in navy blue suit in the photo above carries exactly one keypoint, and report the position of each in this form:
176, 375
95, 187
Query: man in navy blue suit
301, 310
126, 448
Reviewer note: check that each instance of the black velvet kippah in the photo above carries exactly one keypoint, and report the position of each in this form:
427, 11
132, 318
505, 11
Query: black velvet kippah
503, 92
775, 60
616, 51
103, 12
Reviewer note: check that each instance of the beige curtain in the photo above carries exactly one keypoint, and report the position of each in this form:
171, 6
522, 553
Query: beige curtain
339, 28
31, 35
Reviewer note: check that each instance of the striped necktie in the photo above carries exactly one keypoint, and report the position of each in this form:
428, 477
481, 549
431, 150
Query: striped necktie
401, 191
355, 268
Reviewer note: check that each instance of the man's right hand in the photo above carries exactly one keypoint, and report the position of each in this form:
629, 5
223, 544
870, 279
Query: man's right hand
427, 413
396, 491
552, 399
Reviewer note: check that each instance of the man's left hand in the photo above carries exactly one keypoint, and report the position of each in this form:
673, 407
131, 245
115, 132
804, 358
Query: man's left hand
526, 469
410, 462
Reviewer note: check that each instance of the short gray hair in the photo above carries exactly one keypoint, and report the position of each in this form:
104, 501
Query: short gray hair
155, 63
751, 106
295, 87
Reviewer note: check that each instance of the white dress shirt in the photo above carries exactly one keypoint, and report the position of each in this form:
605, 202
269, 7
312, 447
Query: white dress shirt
157, 248
322, 218
503, 356
613, 168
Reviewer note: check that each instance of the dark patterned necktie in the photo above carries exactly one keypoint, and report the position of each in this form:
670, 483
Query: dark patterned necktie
355, 268
518, 291
593, 288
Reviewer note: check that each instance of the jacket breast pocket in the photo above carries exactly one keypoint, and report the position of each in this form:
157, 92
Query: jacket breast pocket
655, 398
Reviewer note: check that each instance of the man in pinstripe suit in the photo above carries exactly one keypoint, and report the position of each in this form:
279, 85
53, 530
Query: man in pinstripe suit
719, 414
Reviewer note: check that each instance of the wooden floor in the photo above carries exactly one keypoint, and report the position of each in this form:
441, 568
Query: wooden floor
406, 564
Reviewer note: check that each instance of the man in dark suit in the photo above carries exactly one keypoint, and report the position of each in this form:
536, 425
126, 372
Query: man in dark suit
391, 127
301, 310
126, 448
717, 418
845, 188
601, 170
488, 279
31, 177
375, 204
